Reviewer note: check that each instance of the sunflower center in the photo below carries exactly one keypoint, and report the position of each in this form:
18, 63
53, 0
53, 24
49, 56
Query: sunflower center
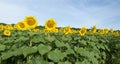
50, 24
0, 27
7, 32
22, 25
67, 29
83, 31
31, 22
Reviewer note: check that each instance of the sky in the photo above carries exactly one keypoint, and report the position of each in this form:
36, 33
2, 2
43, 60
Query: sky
76, 13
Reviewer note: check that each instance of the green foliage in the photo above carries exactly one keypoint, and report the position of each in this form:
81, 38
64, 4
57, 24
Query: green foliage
24, 47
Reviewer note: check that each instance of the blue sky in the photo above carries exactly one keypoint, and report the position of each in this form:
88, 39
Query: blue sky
76, 13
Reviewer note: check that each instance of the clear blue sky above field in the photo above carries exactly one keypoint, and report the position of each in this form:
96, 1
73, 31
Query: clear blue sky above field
76, 13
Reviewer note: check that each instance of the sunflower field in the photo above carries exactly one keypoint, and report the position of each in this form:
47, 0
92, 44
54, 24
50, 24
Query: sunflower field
27, 43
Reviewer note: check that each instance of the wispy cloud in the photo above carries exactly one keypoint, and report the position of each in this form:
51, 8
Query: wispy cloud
77, 13
11, 13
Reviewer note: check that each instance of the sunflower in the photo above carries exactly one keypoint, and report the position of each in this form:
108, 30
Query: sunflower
55, 30
7, 33
67, 30
1, 27
73, 31
46, 31
15, 26
8, 27
50, 24
21, 26
105, 30
34, 30
83, 31
61, 30
94, 29
31, 21
111, 30
101, 31
116, 33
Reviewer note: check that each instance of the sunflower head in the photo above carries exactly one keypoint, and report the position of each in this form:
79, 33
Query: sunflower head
46, 30
1, 27
101, 31
55, 30
61, 30
67, 30
50, 24
15, 26
34, 30
82, 31
8, 27
21, 26
73, 31
105, 30
111, 30
94, 29
116, 33
7, 33
31, 21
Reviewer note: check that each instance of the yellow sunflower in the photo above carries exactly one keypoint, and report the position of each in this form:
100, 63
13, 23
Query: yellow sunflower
105, 30
83, 31
67, 30
7, 33
61, 30
15, 26
21, 26
46, 30
31, 21
8, 27
1, 27
34, 30
73, 31
101, 31
116, 33
111, 30
94, 29
55, 30
50, 24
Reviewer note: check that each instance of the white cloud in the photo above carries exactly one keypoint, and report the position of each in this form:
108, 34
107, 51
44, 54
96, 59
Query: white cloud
10, 13
65, 12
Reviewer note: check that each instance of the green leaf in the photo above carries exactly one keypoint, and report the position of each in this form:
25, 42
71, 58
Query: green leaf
28, 50
67, 62
78, 62
82, 51
17, 52
50, 63
82, 42
69, 51
50, 38
6, 55
59, 44
30, 62
43, 49
101, 46
2, 47
56, 55
83, 62
38, 39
